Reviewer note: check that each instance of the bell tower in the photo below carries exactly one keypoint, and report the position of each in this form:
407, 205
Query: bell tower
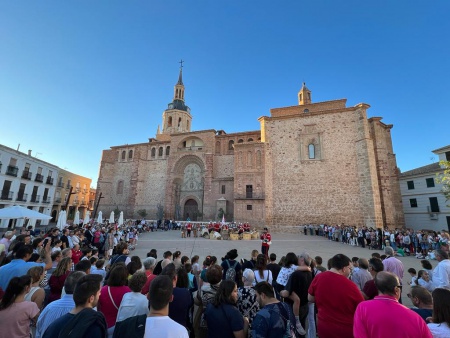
304, 95
177, 117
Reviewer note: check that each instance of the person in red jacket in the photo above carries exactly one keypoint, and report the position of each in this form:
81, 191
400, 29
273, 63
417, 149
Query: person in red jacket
189, 229
266, 242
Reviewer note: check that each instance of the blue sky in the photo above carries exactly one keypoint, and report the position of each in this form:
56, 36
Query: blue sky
77, 77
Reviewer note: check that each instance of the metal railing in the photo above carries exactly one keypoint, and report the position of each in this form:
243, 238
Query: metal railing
27, 175
39, 178
58, 200
21, 197
46, 200
12, 171
249, 196
49, 180
6, 195
35, 198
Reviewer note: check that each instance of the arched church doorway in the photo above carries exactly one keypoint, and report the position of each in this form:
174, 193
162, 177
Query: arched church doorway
191, 210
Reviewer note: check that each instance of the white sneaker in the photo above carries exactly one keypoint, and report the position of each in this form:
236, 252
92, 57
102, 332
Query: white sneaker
300, 328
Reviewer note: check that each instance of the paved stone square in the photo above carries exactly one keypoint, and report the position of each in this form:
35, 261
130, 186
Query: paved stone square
281, 245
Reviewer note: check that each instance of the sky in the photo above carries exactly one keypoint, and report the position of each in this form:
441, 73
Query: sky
77, 77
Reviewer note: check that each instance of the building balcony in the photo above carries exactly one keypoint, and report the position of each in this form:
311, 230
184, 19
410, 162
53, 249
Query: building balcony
68, 186
12, 170
49, 180
249, 196
26, 175
57, 200
35, 198
39, 178
21, 197
6, 195
60, 184
46, 200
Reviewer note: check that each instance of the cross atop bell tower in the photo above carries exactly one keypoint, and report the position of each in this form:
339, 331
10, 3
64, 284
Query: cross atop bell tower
178, 93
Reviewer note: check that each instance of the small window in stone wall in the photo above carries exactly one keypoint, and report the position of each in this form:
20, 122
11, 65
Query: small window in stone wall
130, 154
240, 141
250, 140
413, 202
410, 185
119, 187
153, 152
160, 151
168, 151
249, 207
124, 154
311, 151
306, 111
231, 145
223, 188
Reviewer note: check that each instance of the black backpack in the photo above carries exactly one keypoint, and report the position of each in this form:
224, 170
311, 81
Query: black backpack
133, 327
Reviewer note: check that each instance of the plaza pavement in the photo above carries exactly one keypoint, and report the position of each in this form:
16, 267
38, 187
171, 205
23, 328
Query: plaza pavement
281, 245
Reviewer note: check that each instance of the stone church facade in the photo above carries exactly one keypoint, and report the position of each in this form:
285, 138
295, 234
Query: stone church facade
310, 163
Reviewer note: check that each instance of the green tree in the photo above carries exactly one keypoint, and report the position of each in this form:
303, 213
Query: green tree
444, 179
142, 213
221, 213
116, 213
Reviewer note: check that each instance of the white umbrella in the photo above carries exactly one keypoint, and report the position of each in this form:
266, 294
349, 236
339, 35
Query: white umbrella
16, 212
86, 217
111, 217
100, 217
64, 218
59, 223
76, 220
121, 218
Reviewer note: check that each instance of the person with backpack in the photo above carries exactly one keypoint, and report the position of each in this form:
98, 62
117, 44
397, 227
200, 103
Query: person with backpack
275, 319
232, 269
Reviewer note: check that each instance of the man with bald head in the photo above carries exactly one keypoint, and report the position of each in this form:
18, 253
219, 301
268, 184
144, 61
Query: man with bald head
384, 316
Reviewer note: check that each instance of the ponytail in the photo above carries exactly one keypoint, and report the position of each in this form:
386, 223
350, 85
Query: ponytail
15, 287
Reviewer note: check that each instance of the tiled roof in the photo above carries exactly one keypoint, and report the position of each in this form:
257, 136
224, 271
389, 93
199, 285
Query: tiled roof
430, 168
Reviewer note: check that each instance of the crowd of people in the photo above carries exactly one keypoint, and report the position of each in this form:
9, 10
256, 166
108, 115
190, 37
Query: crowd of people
75, 283
421, 243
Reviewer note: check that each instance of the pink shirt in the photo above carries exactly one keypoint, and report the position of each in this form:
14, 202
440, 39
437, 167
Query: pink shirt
15, 320
384, 316
395, 266
106, 305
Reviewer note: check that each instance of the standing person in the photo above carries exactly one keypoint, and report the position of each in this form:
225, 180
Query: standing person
247, 303
230, 263
384, 316
275, 318
370, 290
335, 309
274, 267
20, 265
441, 273
109, 244
266, 242
158, 323
134, 303
394, 265
189, 229
57, 279
15, 312
112, 294
262, 273
223, 318
59, 307
440, 321
362, 275
82, 321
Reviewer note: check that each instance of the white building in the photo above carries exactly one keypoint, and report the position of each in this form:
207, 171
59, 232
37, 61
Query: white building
424, 205
26, 181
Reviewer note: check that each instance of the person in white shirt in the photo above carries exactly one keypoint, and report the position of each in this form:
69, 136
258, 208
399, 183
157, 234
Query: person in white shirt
134, 303
158, 322
441, 273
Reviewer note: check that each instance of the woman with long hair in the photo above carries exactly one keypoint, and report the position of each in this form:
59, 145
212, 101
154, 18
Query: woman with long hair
58, 277
36, 293
15, 312
261, 271
112, 294
440, 322
223, 315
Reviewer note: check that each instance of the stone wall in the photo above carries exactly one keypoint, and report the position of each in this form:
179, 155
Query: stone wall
336, 187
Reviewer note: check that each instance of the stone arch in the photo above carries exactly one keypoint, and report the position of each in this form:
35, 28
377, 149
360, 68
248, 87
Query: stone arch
179, 166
